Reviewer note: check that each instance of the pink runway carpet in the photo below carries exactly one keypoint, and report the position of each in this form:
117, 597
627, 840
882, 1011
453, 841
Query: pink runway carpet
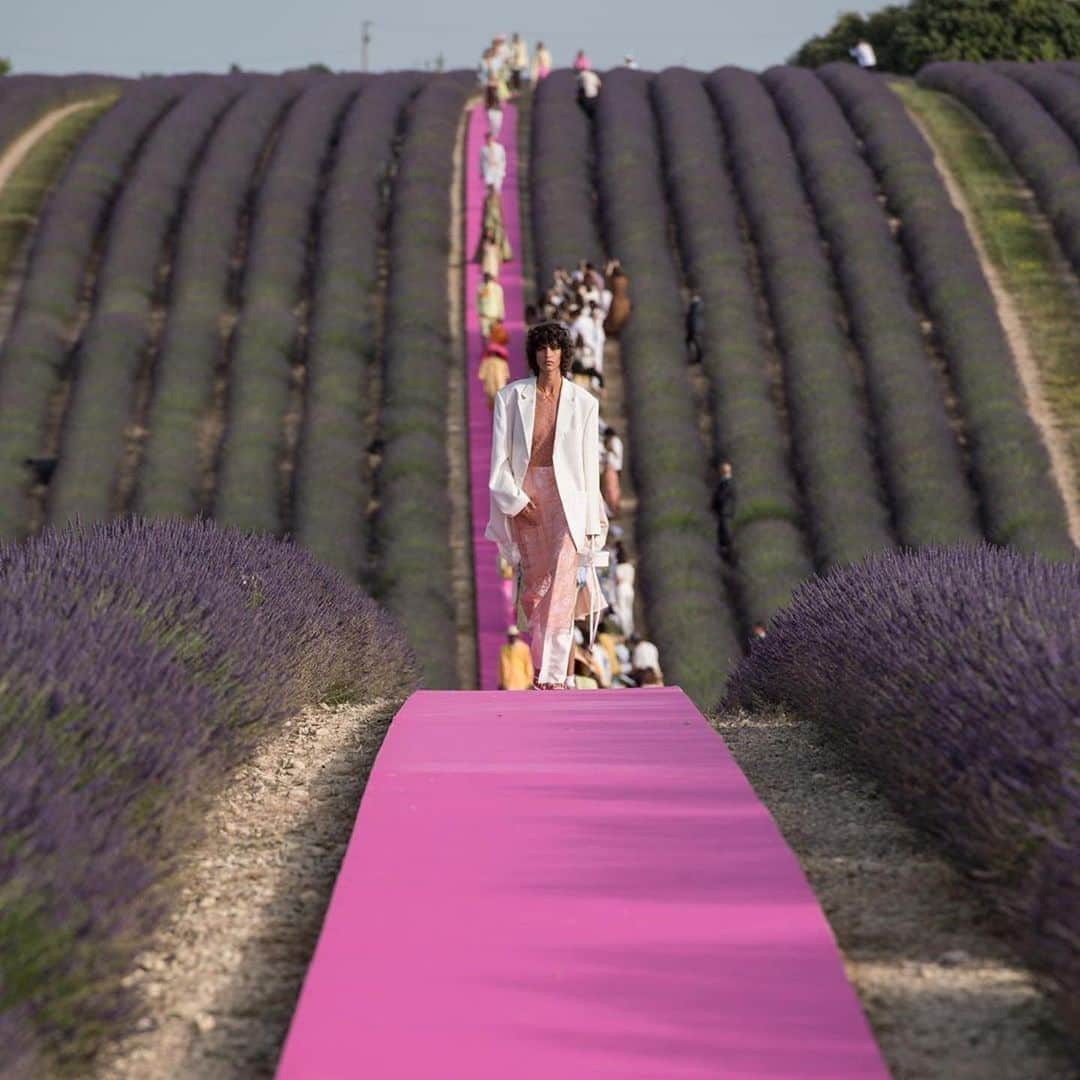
494, 606
570, 885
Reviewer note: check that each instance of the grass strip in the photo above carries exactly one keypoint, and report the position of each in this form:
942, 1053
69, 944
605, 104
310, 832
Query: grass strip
22, 196
1020, 245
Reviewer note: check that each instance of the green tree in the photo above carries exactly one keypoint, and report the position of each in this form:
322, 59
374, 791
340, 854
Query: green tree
907, 37
5, 65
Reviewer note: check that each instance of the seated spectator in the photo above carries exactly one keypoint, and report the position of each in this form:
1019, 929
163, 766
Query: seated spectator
619, 311
610, 485
624, 591
645, 656
515, 663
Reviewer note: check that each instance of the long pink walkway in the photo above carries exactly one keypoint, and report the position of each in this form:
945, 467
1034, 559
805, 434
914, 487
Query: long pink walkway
567, 886
494, 610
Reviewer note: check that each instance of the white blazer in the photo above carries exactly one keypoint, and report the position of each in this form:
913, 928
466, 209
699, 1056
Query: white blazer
575, 458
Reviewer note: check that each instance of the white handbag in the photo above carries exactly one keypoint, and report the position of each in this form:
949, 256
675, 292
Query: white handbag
588, 562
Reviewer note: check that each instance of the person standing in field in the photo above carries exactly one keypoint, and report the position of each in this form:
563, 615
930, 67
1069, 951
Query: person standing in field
581, 61
724, 506
695, 326
546, 512
864, 55
515, 663
519, 61
490, 305
589, 84
492, 162
541, 63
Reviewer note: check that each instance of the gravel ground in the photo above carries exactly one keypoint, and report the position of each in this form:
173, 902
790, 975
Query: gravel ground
944, 993
217, 988
218, 985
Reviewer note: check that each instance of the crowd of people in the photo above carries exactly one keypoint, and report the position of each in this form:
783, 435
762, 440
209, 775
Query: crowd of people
591, 304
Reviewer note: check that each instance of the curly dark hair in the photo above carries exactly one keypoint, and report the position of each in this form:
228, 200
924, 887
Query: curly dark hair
554, 335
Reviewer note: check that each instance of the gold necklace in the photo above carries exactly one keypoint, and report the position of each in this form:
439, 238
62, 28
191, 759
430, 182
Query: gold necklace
551, 395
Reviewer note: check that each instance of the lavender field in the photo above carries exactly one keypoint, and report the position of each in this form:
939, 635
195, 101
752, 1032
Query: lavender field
234, 311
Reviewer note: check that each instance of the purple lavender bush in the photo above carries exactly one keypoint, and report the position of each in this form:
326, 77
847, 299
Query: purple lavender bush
772, 554
330, 491
412, 529
1019, 501
1040, 149
954, 675
170, 476
681, 572
114, 342
260, 368
142, 661
831, 443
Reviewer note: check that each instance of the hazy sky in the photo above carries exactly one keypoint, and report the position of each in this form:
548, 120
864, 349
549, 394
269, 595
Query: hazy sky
126, 37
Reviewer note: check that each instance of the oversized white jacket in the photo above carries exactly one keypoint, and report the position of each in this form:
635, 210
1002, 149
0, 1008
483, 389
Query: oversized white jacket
575, 459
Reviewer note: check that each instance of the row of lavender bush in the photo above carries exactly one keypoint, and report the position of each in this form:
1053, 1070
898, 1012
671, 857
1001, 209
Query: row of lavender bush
1041, 151
141, 663
331, 488
113, 344
264, 349
833, 453
1020, 503
770, 548
71, 222
564, 226
930, 497
1058, 94
681, 572
413, 524
170, 474
954, 674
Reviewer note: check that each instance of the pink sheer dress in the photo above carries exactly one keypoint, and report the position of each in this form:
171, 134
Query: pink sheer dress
549, 593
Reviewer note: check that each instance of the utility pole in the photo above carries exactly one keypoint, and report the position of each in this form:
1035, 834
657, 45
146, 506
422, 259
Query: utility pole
365, 41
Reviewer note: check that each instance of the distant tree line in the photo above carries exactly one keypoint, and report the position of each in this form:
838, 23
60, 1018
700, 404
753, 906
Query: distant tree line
906, 37
5, 65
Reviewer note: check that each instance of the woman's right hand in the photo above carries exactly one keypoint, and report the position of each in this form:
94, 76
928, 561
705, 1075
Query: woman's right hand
528, 514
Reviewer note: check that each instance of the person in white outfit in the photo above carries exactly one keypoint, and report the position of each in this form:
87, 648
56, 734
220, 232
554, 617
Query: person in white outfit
624, 590
493, 162
864, 55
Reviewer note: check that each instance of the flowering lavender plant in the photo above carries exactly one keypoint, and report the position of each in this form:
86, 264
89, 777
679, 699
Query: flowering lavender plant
141, 662
954, 674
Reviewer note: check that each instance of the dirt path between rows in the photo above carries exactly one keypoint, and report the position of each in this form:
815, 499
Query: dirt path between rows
1030, 377
933, 968
218, 984
17, 152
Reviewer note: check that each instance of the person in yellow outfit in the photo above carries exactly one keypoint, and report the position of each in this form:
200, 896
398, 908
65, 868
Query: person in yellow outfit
515, 663
490, 305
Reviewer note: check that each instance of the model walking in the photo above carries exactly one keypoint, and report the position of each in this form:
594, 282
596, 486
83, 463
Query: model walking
546, 513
